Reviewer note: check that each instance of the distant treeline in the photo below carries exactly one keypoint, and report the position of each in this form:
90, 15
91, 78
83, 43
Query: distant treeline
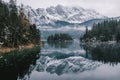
59, 37
105, 31
15, 28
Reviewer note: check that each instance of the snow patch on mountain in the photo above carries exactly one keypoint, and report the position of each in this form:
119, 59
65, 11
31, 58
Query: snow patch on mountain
42, 16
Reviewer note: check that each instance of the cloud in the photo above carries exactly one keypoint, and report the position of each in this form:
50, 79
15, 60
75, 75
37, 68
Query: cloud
106, 7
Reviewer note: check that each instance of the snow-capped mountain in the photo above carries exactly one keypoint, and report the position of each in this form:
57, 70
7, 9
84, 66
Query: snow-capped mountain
51, 15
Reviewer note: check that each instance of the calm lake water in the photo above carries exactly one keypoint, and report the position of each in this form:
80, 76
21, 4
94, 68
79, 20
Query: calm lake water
72, 61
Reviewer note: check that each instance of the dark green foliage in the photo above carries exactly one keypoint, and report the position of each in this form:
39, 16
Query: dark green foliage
59, 37
17, 63
106, 53
60, 44
105, 31
34, 34
12, 32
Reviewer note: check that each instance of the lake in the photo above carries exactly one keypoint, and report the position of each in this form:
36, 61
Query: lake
64, 61
72, 61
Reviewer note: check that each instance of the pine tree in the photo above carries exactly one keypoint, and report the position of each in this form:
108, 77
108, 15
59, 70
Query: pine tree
104, 31
12, 31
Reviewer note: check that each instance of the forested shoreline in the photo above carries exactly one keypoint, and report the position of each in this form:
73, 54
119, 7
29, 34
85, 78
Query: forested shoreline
103, 32
15, 28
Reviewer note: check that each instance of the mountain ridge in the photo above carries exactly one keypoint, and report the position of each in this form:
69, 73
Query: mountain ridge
51, 15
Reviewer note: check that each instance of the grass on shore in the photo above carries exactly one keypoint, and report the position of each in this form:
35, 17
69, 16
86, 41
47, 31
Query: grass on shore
8, 49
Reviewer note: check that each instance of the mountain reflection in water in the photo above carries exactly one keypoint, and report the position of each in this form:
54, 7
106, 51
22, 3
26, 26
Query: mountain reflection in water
71, 61
63, 57
63, 61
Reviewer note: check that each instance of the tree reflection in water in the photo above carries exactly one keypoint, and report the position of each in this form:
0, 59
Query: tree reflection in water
60, 44
17, 63
106, 53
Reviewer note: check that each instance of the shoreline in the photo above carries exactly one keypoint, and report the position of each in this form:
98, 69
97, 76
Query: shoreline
4, 50
94, 44
99, 42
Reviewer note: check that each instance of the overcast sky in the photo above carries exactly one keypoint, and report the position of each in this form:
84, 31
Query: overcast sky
106, 7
